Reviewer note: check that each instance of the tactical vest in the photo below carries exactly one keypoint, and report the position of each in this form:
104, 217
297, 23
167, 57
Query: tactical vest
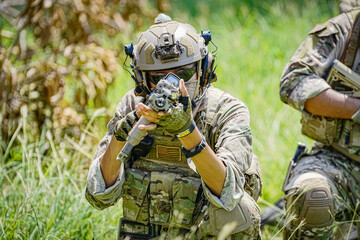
160, 188
342, 134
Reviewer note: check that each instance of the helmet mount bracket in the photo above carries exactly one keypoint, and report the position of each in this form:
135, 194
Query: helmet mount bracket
167, 49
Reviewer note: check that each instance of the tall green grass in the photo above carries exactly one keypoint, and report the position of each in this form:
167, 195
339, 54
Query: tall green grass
42, 194
42, 184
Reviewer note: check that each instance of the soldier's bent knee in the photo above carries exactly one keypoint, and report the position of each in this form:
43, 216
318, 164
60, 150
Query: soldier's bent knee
318, 207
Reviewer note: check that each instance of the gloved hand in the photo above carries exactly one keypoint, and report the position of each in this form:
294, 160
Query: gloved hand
179, 117
124, 126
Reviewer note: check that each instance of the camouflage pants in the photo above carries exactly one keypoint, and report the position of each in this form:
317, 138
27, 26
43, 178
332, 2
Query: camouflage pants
322, 195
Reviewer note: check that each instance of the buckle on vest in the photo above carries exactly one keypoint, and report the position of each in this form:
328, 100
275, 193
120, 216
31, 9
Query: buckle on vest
136, 230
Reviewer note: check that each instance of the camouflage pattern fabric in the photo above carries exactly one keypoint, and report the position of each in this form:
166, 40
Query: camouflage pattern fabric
348, 5
329, 168
206, 227
253, 184
303, 76
164, 189
135, 195
325, 168
323, 129
349, 139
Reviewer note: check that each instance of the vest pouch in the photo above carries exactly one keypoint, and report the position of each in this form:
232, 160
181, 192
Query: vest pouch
160, 191
185, 192
322, 129
135, 200
349, 140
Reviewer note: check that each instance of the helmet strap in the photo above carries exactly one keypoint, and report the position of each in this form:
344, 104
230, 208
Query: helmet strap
197, 91
142, 87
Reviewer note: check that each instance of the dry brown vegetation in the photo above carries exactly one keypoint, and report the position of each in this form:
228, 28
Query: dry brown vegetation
47, 47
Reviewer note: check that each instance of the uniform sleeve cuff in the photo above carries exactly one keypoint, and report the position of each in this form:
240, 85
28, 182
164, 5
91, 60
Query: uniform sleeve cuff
230, 194
96, 192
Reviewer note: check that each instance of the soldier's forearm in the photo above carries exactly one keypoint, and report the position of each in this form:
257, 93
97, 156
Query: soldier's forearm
331, 103
110, 167
211, 169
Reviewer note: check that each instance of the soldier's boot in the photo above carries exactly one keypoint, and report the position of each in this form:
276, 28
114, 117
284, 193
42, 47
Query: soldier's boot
311, 214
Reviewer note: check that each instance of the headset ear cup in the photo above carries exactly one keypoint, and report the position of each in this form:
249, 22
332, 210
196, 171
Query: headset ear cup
140, 88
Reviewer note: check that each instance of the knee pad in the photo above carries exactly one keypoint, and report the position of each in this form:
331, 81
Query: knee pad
318, 207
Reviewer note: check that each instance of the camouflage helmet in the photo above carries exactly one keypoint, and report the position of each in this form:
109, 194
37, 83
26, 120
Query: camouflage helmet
168, 44
347, 5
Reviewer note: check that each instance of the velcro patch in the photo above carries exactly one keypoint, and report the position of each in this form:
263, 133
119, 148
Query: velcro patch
318, 28
165, 152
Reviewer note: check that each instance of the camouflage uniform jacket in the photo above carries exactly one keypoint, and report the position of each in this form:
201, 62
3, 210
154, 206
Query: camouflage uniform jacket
228, 135
304, 78
324, 167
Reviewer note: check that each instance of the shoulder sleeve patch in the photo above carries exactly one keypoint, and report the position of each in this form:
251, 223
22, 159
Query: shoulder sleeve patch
318, 28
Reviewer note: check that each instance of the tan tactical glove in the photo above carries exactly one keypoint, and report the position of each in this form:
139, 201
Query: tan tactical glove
124, 126
179, 118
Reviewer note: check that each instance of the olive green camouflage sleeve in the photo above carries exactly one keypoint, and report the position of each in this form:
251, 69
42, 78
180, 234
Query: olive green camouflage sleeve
96, 192
234, 147
304, 76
